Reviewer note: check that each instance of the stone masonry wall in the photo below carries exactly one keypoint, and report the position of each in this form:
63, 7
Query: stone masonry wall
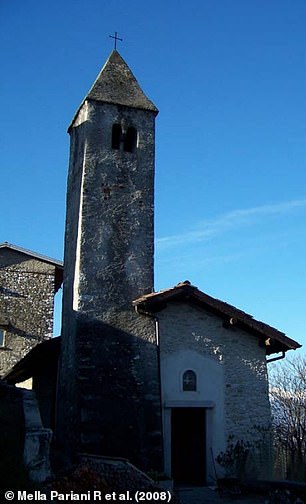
119, 402
109, 397
26, 305
114, 251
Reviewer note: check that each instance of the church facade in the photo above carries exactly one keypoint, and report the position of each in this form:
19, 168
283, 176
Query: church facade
172, 380
214, 385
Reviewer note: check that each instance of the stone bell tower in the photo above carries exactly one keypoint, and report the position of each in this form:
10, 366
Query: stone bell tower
109, 394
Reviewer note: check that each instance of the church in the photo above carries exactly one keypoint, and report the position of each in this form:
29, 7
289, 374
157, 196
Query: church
165, 379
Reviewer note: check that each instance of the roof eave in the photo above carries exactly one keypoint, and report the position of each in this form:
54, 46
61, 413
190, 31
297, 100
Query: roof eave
109, 102
184, 291
35, 255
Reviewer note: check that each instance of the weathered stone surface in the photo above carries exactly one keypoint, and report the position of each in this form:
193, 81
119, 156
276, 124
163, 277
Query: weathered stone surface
109, 357
26, 305
37, 441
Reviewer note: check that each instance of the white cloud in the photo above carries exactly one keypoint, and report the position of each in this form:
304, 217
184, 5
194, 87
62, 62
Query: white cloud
231, 220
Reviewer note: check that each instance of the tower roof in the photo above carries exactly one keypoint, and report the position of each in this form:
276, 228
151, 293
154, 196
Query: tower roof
117, 84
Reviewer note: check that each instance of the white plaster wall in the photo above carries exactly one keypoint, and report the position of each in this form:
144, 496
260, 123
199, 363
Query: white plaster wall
209, 394
210, 380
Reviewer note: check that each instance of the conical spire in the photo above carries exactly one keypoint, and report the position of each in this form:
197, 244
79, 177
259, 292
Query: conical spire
116, 84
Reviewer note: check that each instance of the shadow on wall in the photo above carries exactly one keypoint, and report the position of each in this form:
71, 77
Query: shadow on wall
109, 393
13, 474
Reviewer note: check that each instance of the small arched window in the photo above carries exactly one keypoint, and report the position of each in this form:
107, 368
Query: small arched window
130, 139
116, 136
189, 381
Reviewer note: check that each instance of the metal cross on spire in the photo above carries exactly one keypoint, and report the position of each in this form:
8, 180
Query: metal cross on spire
116, 38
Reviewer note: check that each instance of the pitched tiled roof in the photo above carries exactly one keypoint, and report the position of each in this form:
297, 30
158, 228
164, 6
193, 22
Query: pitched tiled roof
275, 340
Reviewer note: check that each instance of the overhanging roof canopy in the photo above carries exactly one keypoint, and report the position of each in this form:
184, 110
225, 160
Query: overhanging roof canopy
274, 340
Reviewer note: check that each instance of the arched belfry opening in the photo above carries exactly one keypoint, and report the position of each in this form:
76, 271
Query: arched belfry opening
124, 140
130, 139
116, 136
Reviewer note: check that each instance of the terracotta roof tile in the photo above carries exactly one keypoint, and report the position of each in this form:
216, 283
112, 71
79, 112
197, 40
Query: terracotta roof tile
231, 315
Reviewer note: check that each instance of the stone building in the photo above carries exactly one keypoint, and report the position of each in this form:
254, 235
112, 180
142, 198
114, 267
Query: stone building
214, 385
166, 378
28, 283
141, 371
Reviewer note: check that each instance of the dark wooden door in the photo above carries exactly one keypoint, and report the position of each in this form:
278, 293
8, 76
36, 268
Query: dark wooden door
188, 450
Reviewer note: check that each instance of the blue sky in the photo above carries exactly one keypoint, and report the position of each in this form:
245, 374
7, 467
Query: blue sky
229, 80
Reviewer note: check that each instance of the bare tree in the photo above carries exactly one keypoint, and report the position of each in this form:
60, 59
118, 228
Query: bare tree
288, 403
